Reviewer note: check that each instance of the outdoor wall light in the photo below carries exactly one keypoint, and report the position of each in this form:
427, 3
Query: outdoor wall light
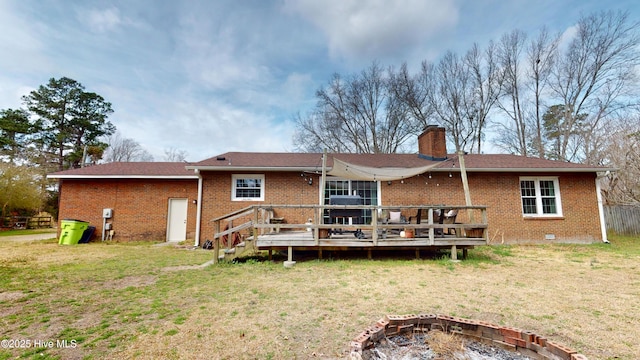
309, 179
450, 174
194, 201
429, 175
389, 182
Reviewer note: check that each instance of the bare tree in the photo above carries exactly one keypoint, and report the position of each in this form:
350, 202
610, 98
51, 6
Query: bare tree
175, 155
359, 115
413, 93
595, 76
461, 93
450, 89
125, 150
524, 84
541, 55
623, 153
486, 82
513, 136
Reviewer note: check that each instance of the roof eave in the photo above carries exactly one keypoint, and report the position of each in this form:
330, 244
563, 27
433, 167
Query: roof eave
160, 177
530, 170
255, 168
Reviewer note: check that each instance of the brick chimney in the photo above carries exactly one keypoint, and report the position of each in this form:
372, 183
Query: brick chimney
432, 144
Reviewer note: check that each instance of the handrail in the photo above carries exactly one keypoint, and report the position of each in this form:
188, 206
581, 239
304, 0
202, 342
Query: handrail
233, 213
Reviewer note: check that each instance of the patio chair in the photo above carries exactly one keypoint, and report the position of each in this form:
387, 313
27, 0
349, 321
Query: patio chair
450, 218
392, 216
440, 216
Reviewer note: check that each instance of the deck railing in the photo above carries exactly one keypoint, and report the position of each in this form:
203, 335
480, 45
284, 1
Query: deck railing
470, 226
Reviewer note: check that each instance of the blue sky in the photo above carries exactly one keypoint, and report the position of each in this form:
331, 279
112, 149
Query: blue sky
210, 76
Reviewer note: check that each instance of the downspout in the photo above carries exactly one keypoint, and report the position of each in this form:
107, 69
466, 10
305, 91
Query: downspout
603, 224
198, 208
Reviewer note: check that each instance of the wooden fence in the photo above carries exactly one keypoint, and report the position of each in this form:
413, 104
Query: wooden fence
26, 222
622, 219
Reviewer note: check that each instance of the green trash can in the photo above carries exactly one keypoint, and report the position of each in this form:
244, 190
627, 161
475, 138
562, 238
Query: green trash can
71, 231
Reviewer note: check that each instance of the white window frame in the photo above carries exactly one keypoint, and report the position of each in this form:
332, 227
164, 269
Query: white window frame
236, 177
539, 207
350, 190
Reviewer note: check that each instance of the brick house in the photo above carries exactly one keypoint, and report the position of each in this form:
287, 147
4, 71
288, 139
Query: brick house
529, 200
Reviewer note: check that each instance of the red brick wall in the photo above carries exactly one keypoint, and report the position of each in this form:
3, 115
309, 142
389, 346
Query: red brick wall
499, 191
280, 188
140, 207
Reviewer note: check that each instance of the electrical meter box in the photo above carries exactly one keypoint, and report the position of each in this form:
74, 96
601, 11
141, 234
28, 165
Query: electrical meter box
107, 213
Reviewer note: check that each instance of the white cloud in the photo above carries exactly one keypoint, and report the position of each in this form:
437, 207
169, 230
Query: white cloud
295, 89
568, 35
102, 20
217, 56
20, 39
107, 20
375, 27
203, 126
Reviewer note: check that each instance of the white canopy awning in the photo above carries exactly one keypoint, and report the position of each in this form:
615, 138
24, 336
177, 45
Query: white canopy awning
357, 172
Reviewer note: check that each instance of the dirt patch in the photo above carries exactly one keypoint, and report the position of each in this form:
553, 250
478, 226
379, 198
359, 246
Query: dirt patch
130, 281
11, 295
187, 267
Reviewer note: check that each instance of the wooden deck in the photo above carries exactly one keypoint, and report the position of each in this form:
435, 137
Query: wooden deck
305, 239
428, 233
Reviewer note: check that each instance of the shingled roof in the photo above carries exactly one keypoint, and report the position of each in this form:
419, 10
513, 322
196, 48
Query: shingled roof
254, 161
236, 161
132, 170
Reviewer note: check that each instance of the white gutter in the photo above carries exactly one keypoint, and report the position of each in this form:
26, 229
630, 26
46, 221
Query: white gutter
526, 170
198, 208
439, 168
252, 168
162, 177
603, 225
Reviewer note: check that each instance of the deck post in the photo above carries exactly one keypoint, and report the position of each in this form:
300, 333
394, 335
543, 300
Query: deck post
316, 230
216, 241
454, 253
485, 220
289, 263
230, 235
320, 253
417, 254
432, 232
254, 229
374, 223
216, 250
270, 254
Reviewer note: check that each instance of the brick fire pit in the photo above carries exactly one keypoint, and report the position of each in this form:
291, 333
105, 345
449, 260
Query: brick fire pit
512, 339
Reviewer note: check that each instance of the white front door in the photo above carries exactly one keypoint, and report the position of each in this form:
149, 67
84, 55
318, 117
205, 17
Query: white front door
177, 220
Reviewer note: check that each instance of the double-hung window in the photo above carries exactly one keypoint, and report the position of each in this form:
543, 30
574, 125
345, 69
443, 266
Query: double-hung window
540, 197
247, 187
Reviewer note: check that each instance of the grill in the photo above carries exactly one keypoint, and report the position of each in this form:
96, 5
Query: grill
356, 215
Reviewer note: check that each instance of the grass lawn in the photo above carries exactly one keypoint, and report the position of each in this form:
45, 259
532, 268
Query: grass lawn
143, 301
